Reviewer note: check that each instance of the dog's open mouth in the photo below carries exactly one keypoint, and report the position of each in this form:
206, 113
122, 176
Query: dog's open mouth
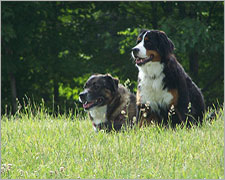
141, 61
88, 105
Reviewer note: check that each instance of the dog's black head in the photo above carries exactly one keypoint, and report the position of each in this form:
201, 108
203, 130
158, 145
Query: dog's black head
152, 45
98, 91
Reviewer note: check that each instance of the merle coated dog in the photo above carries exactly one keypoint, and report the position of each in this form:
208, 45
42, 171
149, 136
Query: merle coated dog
110, 105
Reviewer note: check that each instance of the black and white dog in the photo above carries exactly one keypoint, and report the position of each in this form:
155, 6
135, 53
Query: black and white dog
163, 86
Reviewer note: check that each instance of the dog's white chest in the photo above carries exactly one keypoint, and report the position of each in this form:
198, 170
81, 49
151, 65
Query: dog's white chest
98, 114
151, 82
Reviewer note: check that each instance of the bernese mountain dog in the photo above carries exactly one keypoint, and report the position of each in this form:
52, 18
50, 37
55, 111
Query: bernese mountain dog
166, 94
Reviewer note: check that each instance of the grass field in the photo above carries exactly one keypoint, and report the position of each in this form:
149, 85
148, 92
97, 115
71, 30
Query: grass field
42, 146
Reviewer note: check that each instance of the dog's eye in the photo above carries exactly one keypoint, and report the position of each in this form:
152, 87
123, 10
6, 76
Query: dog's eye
138, 40
147, 39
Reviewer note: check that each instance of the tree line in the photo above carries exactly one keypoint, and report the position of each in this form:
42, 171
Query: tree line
49, 49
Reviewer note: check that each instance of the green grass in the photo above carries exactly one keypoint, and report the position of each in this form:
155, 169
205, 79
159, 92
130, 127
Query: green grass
42, 146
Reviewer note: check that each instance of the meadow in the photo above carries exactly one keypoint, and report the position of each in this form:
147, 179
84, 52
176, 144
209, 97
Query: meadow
42, 146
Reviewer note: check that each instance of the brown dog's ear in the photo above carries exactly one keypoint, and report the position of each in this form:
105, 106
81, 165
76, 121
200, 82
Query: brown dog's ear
112, 82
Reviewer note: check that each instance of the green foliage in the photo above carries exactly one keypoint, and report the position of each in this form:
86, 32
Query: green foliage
51, 48
129, 39
38, 145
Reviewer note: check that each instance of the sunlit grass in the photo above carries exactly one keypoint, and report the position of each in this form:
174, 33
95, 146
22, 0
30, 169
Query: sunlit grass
39, 145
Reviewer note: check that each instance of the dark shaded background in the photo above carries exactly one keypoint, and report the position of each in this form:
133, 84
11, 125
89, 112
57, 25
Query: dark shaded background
49, 49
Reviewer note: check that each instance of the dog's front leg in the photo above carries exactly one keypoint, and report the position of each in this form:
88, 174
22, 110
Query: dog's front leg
138, 114
138, 107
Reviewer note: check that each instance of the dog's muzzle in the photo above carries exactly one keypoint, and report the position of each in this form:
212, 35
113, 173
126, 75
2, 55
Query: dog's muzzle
88, 102
140, 61
135, 52
82, 96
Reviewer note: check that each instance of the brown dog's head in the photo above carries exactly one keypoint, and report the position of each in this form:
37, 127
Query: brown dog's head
152, 45
98, 91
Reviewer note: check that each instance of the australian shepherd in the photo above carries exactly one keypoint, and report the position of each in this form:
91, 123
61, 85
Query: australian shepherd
109, 104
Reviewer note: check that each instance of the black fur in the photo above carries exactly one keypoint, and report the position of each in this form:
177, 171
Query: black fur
175, 78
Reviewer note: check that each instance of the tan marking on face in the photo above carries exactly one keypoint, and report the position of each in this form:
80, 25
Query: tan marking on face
139, 39
156, 58
146, 38
174, 93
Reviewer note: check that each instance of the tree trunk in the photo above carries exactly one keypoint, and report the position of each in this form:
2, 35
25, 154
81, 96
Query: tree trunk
13, 90
193, 65
56, 94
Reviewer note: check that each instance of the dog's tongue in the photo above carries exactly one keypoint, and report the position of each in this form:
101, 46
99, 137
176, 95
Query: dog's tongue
139, 60
87, 105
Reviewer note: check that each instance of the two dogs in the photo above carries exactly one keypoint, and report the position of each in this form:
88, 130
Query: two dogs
165, 94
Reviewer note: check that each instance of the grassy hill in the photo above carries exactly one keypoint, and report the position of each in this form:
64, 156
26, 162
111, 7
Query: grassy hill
46, 147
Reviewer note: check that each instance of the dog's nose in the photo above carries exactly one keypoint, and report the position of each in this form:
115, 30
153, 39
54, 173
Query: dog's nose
82, 96
135, 51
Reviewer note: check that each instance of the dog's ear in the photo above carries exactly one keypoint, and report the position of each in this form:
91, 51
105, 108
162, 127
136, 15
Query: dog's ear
113, 82
166, 46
